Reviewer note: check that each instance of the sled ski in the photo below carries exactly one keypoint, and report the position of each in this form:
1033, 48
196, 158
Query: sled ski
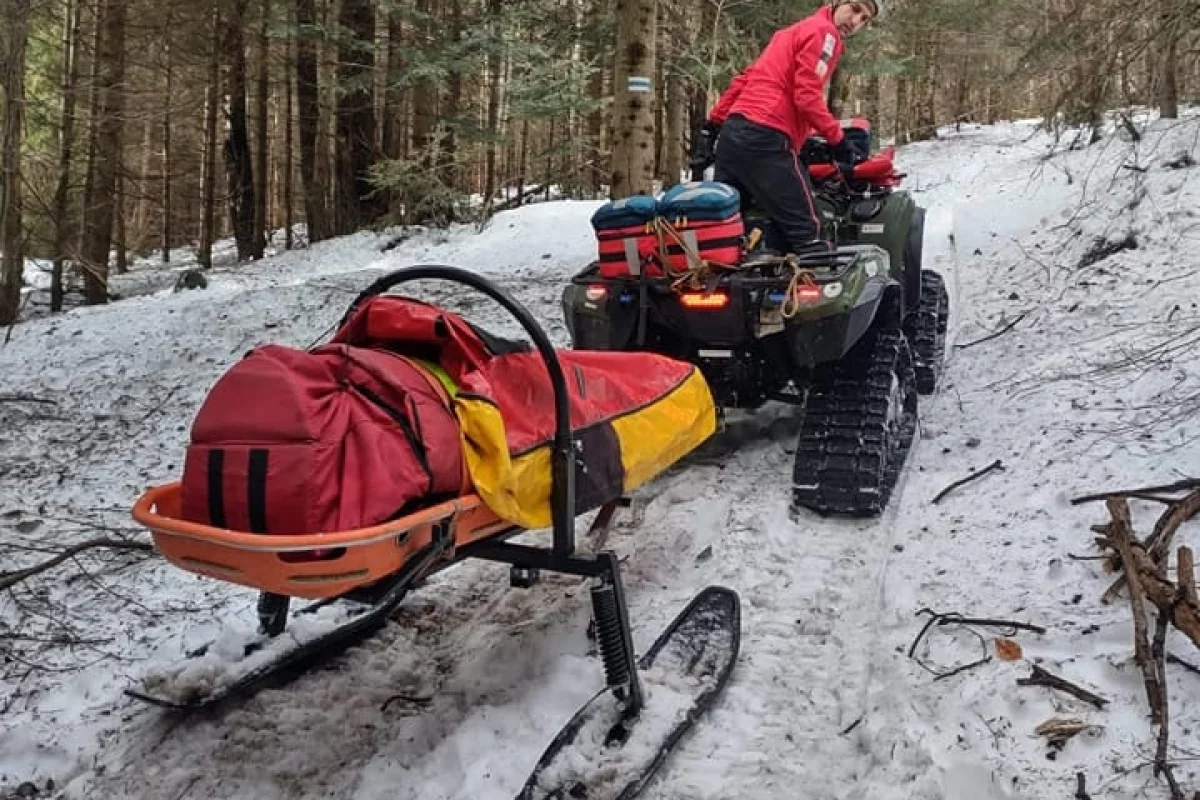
189, 694
608, 751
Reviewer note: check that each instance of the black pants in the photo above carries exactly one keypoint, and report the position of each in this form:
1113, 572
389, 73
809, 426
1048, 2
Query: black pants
760, 162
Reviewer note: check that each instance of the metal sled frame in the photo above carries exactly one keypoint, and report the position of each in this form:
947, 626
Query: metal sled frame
386, 560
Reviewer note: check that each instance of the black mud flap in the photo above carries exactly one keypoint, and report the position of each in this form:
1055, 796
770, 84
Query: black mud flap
599, 755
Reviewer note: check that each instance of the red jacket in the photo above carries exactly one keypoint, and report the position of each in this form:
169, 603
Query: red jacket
784, 88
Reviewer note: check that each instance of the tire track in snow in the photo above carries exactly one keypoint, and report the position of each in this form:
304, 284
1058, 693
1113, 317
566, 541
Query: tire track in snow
810, 597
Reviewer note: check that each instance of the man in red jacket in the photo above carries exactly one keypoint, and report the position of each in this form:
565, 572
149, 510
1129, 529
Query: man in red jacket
775, 104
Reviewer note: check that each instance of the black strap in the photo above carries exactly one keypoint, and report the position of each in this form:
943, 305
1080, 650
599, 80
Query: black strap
216, 488
256, 490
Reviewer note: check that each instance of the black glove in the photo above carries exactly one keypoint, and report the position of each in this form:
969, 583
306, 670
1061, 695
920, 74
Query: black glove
847, 151
704, 149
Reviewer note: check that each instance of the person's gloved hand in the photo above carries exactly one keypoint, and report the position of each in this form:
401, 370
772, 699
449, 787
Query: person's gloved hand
704, 148
847, 151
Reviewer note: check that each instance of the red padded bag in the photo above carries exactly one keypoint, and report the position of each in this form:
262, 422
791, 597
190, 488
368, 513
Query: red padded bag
291, 441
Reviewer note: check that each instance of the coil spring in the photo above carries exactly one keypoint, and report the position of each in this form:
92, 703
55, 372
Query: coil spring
608, 635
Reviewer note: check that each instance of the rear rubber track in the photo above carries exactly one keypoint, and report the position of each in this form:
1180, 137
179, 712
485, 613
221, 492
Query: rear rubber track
857, 428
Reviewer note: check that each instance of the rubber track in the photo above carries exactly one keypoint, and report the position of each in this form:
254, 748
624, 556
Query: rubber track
847, 462
927, 331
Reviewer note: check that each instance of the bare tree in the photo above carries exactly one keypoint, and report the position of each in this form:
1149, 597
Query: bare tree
66, 138
239, 167
308, 102
104, 149
12, 61
208, 181
633, 112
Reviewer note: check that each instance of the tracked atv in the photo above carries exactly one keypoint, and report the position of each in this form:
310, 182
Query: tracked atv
851, 339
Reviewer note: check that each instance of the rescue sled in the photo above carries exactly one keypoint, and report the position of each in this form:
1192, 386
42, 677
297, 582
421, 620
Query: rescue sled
370, 570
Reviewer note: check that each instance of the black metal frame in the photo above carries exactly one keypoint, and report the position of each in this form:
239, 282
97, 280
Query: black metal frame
608, 594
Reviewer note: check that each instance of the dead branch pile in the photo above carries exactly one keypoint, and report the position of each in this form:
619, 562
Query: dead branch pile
1144, 566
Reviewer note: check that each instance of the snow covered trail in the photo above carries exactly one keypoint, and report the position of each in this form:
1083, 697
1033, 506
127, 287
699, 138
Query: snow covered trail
458, 697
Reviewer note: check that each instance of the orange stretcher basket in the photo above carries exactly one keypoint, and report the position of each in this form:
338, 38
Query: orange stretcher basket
314, 566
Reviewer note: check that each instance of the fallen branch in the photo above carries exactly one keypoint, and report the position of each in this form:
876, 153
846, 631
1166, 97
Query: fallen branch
1159, 540
1190, 667
1121, 533
1182, 613
1161, 765
10, 579
953, 618
1041, 677
997, 464
997, 334
1186, 484
20, 397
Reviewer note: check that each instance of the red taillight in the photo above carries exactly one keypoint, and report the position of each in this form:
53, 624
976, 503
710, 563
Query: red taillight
595, 293
808, 293
703, 300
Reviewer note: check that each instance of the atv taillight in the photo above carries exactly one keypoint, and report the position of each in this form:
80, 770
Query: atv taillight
704, 300
596, 293
808, 293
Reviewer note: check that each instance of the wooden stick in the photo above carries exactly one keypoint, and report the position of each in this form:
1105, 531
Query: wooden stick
997, 464
1081, 787
1122, 535
10, 579
1186, 484
1174, 659
1160, 539
1185, 616
1041, 677
1185, 576
991, 336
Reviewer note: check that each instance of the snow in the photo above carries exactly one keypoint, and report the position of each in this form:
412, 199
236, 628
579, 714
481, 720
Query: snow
1093, 387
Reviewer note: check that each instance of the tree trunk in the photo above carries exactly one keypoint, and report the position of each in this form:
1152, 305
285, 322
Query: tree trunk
120, 233
393, 96
105, 150
633, 112
167, 163
494, 65
239, 168
1168, 85
141, 209
66, 135
424, 103
262, 120
449, 112
673, 138
12, 61
308, 104
288, 167
208, 183
358, 204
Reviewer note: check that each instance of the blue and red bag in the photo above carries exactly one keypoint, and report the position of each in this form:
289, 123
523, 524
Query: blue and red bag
626, 236
707, 217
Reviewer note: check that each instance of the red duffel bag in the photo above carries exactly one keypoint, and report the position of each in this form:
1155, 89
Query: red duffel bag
293, 441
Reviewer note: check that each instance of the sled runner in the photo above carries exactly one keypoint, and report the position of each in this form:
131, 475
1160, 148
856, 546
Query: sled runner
600, 436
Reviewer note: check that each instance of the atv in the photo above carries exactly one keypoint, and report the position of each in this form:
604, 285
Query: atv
851, 339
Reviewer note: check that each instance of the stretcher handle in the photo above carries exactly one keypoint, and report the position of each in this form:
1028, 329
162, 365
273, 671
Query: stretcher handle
562, 458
